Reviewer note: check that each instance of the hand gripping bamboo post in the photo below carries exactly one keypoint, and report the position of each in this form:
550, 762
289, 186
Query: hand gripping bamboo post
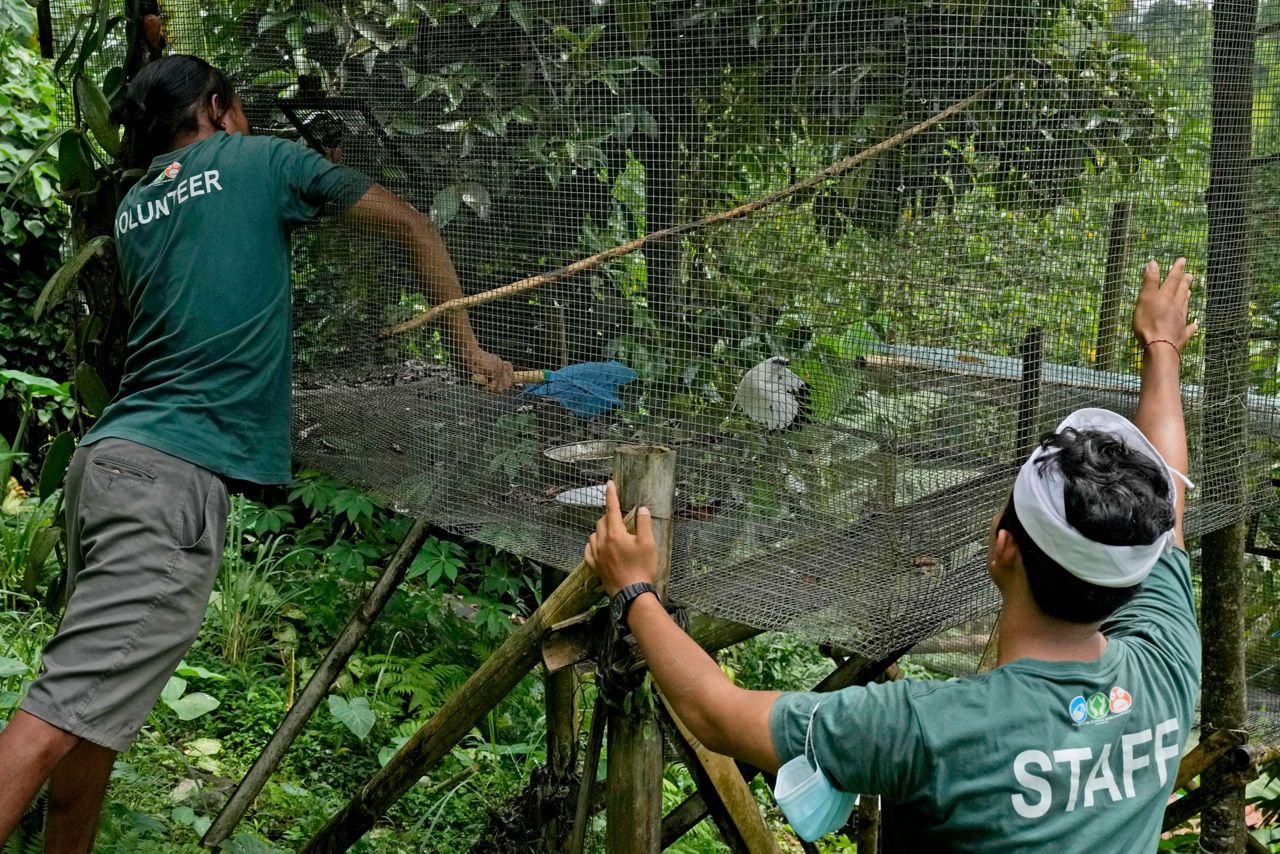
633, 801
492, 681
318, 686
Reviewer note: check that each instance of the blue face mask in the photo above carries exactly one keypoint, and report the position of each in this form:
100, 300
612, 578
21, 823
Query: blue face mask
813, 806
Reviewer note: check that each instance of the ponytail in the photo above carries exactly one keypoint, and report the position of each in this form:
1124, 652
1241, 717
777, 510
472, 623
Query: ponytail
164, 100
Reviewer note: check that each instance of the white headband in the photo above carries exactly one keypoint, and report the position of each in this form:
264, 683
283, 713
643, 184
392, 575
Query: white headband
1041, 508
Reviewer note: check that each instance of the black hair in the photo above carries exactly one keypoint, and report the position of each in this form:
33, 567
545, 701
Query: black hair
163, 100
1113, 495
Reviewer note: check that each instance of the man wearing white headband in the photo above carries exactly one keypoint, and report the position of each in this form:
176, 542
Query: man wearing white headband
1077, 733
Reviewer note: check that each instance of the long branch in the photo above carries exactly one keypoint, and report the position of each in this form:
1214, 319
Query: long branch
832, 171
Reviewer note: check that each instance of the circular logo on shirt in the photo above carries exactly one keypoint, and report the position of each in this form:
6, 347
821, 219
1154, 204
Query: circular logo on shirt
1121, 702
1099, 706
1078, 710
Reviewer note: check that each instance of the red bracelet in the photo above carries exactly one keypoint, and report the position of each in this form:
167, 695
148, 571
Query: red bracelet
1163, 341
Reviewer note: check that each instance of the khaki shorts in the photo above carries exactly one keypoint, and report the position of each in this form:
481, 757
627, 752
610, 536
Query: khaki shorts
145, 533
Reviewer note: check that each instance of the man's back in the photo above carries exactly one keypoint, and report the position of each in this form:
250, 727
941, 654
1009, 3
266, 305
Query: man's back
1030, 754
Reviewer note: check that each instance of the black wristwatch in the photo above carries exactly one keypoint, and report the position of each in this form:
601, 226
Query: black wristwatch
621, 602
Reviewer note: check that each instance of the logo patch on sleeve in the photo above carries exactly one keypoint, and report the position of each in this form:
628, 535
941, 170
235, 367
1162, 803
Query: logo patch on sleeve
170, 172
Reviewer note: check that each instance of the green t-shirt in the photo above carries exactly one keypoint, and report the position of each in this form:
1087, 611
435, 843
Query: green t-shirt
203, 241
1031, 756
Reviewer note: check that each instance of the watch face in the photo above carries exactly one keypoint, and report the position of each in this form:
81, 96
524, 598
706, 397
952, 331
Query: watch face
615, 606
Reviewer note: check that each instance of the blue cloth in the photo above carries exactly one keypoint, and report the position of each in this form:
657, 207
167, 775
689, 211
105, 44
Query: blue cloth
586, 390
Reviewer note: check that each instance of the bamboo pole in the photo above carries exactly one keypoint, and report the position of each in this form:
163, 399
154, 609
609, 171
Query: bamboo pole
584, 264
317, 686
486, 687
1229, 288
633, 802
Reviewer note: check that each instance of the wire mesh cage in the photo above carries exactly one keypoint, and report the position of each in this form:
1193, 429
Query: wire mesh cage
849, 373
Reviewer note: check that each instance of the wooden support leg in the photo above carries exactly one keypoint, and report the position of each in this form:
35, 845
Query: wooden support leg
633, 803
492, 681
683, 819
562, 727
725, 793
590, 762
855, 671
869, 824
318, 686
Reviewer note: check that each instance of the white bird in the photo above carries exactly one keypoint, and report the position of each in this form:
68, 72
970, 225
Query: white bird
773, 396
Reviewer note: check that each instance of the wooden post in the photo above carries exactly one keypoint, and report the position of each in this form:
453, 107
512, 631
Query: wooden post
1029, 388
1113, 287
318, 685
492, 681
633, 802
869, 824
1229, 288
562, 725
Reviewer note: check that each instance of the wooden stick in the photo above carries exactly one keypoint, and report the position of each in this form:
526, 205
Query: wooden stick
486, 687
857, 670
683, 819
317, 686
832, 171
561, 699
633, 802
726, 793
590, 764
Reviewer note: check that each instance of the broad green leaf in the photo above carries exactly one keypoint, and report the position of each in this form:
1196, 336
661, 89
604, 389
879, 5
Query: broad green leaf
12, 667
355, 715
58, 283
173, 689
90, 389
445, 206
97, 114
192, 670
31, 381
635, 18
203, 746
55, 463
35, 158
192, 706
38, 552
9, 699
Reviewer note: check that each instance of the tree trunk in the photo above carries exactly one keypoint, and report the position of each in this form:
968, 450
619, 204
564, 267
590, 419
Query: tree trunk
1226, 381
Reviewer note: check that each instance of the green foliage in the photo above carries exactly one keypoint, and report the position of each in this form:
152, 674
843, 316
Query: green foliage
187, 706
31, 217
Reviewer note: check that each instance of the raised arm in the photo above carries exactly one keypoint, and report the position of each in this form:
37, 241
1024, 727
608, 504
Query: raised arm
404, 226
725, 718
1160, 323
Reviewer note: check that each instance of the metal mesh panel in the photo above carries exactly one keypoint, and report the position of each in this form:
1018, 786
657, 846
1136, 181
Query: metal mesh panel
944, 302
